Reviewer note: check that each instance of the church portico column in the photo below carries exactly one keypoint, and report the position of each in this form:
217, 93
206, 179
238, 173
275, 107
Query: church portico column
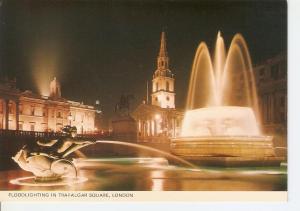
150, 125
142, 129
6, 111
17, 114
3, 113
146, 128
155, 128
174, 127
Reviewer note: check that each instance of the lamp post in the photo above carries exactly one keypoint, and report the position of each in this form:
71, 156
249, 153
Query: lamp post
70, 119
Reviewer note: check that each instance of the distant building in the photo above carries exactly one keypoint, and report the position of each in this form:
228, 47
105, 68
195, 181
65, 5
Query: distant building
33, 112
271, 86
271, 81
159, 120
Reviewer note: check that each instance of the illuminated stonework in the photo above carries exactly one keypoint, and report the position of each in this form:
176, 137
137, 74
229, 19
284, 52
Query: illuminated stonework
29, 111
158, 120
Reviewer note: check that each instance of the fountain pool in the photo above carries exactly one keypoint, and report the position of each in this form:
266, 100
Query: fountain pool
150, 174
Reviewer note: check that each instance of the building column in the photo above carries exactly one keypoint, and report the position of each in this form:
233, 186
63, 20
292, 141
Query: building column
2, 120
142, 129
149, 127
17, 115
150, 124
6, 108
155, 127
272, 108
176, 119
146, 128
139, 127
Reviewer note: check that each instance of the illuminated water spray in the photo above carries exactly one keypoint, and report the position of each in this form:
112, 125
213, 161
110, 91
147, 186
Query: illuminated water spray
222, 117
225, 87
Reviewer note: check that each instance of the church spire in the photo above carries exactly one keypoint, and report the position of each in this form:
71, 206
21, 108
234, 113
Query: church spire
163, 46
163, 59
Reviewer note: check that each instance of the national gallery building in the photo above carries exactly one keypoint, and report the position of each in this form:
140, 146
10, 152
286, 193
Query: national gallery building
29, 111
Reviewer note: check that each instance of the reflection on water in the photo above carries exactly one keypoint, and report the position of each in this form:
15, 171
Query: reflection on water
157, 177
30, 181
142, 174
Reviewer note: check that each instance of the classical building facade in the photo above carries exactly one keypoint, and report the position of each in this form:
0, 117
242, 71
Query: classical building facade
271, 80
159, 120
271, 86
29, 111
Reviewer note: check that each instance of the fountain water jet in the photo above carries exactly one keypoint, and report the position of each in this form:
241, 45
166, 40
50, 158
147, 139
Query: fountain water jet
222, 121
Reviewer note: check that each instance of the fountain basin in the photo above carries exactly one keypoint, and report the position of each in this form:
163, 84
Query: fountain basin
227, 150
224, 135
220, 121
234, 146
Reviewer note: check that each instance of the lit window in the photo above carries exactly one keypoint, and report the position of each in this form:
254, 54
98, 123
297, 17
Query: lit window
32, 110
282, 101
262, 72
20, 126
58, 114
32, 127
20, 109
275, 71
44, 111
10, 108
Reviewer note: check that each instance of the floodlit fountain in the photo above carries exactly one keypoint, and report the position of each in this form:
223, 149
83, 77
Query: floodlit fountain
222, 120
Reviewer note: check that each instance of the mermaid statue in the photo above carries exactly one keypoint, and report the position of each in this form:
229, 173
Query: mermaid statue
47, 159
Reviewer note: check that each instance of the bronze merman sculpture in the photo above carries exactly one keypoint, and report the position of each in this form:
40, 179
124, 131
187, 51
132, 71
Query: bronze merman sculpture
47, 159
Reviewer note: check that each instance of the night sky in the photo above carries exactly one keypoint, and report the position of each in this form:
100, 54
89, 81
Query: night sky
101, 49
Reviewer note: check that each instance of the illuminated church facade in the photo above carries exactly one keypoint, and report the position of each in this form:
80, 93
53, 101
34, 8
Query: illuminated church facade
28, 111
159, 119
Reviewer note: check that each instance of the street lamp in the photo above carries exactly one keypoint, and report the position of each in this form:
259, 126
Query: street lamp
70, 119
157, 117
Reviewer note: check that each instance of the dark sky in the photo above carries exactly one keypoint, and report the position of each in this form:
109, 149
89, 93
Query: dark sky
101, 49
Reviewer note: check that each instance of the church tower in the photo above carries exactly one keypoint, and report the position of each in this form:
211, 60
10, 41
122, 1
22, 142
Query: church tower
163, 93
